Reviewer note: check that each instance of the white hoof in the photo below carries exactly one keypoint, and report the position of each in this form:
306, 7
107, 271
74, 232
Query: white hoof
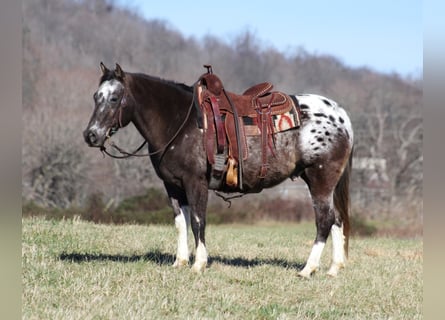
199, 267
180, 263
200, 259
335, 267
307, 271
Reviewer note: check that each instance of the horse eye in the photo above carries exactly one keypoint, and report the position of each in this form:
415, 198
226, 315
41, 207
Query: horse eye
113, 99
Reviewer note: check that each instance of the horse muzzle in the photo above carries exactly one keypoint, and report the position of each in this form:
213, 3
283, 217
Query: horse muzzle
97, 138
92, 138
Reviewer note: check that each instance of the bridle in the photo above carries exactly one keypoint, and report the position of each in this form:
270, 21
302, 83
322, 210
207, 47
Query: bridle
126, 154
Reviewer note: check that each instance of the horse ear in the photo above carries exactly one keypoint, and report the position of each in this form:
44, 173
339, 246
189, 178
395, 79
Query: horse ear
118, 71
103, 68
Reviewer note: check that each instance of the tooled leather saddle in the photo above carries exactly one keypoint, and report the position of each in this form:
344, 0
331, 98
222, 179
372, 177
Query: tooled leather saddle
228, 117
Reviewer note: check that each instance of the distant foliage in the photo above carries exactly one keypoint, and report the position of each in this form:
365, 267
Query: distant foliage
57, 180
153, 207
64, 41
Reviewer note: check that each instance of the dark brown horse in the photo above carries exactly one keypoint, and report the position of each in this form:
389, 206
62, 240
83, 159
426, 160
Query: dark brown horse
319, 151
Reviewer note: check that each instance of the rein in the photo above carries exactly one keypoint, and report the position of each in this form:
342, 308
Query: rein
126, 154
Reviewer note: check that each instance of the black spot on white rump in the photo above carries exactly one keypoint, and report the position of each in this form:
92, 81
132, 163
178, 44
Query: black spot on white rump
327, 102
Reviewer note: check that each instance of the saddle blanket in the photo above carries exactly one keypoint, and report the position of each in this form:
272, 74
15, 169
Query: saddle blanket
281, 122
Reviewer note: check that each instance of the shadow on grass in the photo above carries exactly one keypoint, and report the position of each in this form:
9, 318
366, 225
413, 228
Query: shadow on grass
161, 258
247, 263
153, 256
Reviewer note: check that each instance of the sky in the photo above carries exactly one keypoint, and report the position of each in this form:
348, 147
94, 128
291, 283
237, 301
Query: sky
383, 35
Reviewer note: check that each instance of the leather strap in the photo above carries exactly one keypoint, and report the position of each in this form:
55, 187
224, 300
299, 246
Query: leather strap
238, 139
266, 128
209, 135
219, 125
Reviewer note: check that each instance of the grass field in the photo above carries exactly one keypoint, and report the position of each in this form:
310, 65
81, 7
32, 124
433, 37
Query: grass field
78, 270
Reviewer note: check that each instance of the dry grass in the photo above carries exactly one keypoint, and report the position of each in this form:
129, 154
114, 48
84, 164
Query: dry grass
78, 270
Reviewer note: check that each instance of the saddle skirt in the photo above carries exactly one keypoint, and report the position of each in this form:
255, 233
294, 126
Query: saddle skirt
227, 118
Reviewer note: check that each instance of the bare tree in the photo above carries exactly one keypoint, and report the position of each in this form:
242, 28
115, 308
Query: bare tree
64, 41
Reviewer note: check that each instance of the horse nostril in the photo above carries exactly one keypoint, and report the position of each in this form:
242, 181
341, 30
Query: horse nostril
92, 137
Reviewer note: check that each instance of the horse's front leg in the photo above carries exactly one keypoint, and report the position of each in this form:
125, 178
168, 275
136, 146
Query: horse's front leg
181, 210
182, 223
197, 196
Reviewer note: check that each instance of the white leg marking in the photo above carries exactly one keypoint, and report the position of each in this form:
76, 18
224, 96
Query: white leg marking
338, 250
182, 222
313, 261
201, 258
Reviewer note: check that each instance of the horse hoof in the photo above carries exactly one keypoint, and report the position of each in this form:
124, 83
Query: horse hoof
332, 274
306, 275
333, 270
180, 263
199, 267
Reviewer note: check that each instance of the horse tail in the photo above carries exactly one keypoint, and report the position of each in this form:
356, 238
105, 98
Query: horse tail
342, 200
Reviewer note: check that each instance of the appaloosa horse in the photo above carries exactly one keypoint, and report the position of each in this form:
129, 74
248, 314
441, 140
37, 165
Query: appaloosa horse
319, 151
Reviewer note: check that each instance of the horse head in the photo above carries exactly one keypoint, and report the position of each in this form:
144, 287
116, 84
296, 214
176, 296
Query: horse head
110, 99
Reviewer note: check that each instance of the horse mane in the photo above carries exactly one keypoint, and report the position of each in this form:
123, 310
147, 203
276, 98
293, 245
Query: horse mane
180, 85
111, 75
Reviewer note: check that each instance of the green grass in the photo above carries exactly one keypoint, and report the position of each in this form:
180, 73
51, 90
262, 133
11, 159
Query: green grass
79, 270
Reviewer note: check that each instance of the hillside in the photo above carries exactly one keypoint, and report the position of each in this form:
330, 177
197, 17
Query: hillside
64, 41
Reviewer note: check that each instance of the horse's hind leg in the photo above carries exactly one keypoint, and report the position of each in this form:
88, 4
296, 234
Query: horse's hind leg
325, 218
338, 249
180, 206
321, 180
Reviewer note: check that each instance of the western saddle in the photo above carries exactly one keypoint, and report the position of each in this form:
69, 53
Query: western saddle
228, 117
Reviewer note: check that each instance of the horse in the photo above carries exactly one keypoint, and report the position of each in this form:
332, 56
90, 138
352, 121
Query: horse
319, 152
